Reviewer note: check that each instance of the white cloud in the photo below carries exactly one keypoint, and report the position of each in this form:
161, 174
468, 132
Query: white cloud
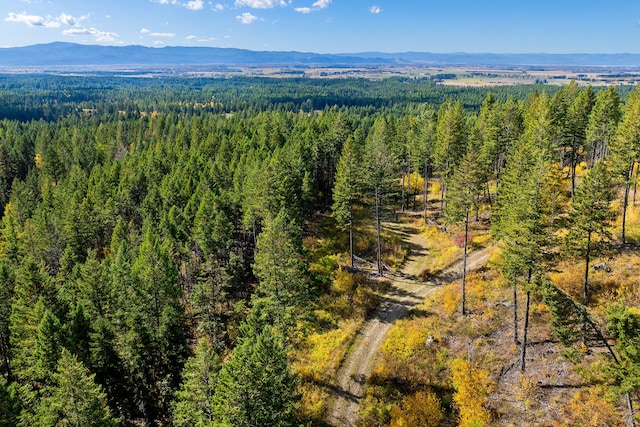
191, 4
218, 7
247, 18
48, 22
158, 42
375, 9
319, 4
200, 40
67, 19
32, 20
261, 4
156, 34
100, 36
168, 35
194, 5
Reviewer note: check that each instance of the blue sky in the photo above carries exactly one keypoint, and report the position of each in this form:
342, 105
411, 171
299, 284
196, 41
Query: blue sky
331, 26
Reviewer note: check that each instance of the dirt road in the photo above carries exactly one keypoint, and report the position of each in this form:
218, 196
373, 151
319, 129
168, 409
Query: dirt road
404, 294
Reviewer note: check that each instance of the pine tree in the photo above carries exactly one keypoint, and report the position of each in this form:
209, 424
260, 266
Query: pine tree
48, 346
280, 266
487, 136
378, 173
521, 218
74, 400
347, 187
211, 303
625, 149
109, 368
7, 291
256, 388
464, 186
193, 404
451, 140
624, 326
570, 108
603, 122
30, 303
590, 218
10, 404
422, 151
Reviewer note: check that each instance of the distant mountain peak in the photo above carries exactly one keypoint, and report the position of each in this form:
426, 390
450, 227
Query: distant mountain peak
64, 54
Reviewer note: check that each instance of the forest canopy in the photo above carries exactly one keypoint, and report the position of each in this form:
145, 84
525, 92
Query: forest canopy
154, 246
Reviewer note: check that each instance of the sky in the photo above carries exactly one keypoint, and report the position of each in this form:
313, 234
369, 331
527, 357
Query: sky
331, 26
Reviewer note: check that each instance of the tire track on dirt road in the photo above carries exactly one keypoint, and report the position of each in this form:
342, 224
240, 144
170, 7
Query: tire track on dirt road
405, 293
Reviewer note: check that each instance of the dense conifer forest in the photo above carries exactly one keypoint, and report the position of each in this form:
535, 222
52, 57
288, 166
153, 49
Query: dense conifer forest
200, 252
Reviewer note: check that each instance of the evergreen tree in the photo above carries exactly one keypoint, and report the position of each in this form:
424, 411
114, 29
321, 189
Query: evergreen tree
10, 404
451, 140
210, 300
379, 170
624, 326
590, 218
347, 188
109, 368
7, 285
422, 151
73, 400
281, 267
32, 285
603, 122
255, 387
193, 404
464, 186
48, 346
521, 217
567, 120
487, 136
625, 149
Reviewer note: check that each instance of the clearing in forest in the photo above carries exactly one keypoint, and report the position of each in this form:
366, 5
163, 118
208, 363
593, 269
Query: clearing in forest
405, 293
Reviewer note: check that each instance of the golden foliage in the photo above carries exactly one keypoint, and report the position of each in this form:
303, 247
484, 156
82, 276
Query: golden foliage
324, 351
441, 247
413, 182
451, 297
632, 226
436, 190
472, 387
344, 282
38, 161
569, 277
481, 240
591, 408
313, 403
421, 409
405, 338
581, 168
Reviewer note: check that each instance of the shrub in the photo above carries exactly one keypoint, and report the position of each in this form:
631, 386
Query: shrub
422, 409
472, 387
591, 408
459, 240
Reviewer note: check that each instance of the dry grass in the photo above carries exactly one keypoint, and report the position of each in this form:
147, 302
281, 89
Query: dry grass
553, 391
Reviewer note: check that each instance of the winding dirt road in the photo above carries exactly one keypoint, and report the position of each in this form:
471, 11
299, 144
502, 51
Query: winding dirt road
405, 293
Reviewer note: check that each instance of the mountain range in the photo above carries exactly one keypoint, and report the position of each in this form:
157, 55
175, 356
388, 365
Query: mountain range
59, 54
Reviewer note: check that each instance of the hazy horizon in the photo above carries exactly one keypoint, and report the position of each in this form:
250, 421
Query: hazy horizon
325, 26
